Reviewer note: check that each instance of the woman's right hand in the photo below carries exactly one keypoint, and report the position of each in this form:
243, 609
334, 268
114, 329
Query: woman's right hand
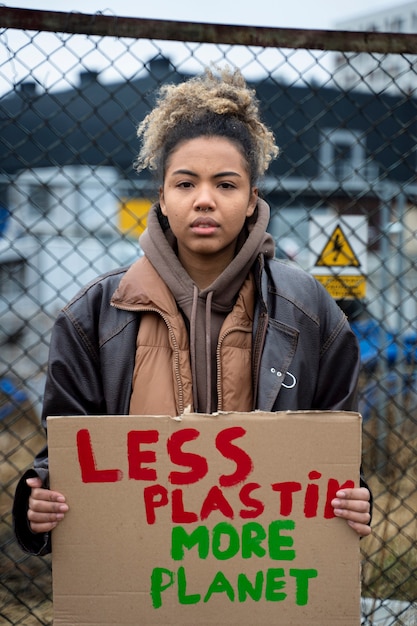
46, 508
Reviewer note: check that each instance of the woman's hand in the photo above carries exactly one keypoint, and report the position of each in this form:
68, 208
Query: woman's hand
353, 505
46, 508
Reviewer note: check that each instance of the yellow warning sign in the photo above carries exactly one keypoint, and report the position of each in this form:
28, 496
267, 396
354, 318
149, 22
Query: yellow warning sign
337, 252
348, 287
133, 214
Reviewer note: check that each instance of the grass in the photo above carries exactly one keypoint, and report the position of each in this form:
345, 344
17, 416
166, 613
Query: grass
389, 553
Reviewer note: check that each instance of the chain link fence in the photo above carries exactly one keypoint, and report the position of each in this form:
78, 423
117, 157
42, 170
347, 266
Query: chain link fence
343, 107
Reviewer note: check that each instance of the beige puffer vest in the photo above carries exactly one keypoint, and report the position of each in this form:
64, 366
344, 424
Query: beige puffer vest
162, 380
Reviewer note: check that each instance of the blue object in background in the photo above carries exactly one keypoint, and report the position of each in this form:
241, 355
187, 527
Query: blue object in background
375, 343
368, 335
380, 346
410, 348
14, 397
4, 218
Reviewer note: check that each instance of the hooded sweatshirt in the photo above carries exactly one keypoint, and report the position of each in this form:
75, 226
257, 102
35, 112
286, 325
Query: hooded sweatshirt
204, 311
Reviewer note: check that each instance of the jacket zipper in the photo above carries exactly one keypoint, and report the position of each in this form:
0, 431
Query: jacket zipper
257, 351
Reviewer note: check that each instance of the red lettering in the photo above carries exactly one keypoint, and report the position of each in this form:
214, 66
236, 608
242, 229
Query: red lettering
256, 506
286, 489
137, 457
179, 514
311, 499
87, 461
198, 464
216, 501
244, 464
332, 487
154, 497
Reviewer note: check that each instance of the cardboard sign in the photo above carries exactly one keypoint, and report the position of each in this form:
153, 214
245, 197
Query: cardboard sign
205, 519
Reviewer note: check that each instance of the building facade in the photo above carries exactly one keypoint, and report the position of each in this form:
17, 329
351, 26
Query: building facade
74, 206
377, 72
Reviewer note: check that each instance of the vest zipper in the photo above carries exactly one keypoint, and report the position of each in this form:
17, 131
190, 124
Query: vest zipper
134, 309
219, 363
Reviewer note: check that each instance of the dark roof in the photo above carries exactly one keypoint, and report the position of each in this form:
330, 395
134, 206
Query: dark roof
95, 123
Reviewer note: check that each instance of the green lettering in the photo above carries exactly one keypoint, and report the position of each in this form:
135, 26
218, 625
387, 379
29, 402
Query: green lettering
182, 590
224, 529
158, 586
252, 536
272, 593
278, 544
246, 588
302, 577
220, 584
180, 539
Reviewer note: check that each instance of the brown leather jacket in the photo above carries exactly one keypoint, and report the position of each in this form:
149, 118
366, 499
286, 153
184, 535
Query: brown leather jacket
303, 356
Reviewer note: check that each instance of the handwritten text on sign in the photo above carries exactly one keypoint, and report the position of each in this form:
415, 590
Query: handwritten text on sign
223, 541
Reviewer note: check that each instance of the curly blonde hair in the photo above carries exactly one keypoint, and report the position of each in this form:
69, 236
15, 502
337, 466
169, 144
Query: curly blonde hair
207, 105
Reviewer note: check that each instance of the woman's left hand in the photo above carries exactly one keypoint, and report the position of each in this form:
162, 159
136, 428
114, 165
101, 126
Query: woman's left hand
353, 505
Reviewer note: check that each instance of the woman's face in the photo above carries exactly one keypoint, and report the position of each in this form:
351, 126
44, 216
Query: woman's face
206, 196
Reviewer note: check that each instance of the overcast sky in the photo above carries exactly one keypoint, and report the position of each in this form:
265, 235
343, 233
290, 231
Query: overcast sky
315, 14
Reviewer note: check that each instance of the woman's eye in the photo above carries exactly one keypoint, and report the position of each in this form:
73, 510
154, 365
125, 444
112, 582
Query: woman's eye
226, 185
185, 183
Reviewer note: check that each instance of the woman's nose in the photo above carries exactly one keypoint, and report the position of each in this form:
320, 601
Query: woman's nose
204, 199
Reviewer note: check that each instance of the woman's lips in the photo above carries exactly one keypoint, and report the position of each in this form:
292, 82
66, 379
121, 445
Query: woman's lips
205, 225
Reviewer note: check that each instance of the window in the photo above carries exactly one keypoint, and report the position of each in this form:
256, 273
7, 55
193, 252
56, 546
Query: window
39, 200
342, 159
394, 25
342, 154
12, 278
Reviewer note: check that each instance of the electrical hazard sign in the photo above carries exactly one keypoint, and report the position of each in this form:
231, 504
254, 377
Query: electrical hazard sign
338, 248
338, 252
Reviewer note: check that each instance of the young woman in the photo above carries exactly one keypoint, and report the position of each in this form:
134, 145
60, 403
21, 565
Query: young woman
206, 320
